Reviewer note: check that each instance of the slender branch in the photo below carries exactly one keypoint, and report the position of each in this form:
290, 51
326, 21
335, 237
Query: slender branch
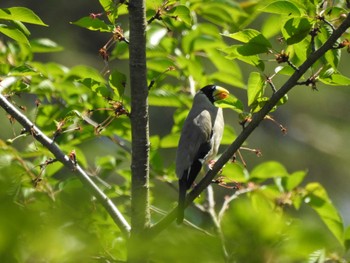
67, 162
256, 119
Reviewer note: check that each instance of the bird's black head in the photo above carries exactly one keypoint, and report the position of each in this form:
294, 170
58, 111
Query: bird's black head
215, 93
209, 92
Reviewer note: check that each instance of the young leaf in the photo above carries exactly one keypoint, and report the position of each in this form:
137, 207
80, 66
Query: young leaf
282, 8
230, 102
93, 24
295, 30
292, 181
233, 53
14, 33
269, 170
44, 45
256, 87
21, 14
182, 13
117, 81
317, 198
111, 9
255, 42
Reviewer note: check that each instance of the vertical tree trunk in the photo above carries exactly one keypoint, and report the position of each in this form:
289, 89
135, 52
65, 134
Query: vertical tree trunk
140, 135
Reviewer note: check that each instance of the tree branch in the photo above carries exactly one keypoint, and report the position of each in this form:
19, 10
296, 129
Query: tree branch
140, 215
257, 118
67, 162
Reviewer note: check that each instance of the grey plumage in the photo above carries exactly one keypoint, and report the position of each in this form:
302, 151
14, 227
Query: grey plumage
200, 139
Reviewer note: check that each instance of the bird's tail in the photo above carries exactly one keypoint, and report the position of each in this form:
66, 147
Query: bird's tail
182, 199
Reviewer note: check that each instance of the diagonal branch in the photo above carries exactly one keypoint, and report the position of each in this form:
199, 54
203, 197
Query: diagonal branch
257, 118
67, 162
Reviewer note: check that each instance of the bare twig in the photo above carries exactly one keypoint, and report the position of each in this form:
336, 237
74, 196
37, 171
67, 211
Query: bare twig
66, 161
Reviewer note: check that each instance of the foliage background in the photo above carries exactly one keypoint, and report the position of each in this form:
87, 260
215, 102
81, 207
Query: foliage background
318, 124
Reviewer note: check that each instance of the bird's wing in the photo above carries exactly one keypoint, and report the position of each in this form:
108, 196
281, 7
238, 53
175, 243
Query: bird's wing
194, 141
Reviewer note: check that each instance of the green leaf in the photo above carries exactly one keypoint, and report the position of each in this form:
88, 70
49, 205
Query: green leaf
269, 28
24, 70
44, 45
97, 87
332, 56
21, 14
93, 24
117, 81
330, 77
347, 238
231, 102
226, 77
83, 72
164, 98
258, 104
292, 181
235, 172
317, 198
223, 64
256, 87
182, 13
14, 33
233, 53
269, 170
229, 135
111, 9
295, 30
282, 8
170, 140
256, 43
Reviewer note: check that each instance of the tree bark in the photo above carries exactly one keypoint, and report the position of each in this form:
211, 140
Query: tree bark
140, 216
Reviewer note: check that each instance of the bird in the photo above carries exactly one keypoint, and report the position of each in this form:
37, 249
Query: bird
199, 140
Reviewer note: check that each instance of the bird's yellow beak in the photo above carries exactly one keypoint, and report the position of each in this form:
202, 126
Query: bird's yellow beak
220, 93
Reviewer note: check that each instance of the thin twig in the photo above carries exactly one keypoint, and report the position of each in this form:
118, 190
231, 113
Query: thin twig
66, 161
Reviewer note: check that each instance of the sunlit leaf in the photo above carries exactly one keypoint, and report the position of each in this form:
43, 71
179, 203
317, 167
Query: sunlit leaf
235, 172
268, 170
255, 42
24, 70
93, 24
282, 8
331, 77
22, 14
295, 30
317, 198
231, 102
14, 33
269, 28
117, 81
83, 72
170, 140
293, 180
182, 13
256, 87
233, 52
44, 45
111, 9
162, 98
229, 135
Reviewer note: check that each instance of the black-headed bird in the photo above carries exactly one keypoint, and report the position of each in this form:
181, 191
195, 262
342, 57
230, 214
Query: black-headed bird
200, 139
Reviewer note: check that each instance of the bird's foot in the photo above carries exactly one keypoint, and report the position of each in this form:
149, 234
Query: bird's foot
211, 164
